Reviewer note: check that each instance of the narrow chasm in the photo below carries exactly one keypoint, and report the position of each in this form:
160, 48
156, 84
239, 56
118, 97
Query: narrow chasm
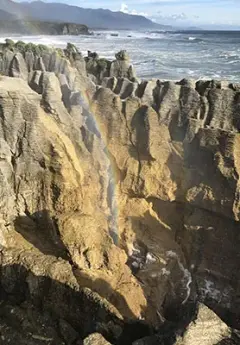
119, 201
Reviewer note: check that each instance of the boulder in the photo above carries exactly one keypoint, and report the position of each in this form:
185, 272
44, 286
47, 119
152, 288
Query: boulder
95, 339
207, 329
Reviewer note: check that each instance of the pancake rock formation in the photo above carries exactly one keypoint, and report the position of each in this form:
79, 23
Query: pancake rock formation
119, 203
103, 68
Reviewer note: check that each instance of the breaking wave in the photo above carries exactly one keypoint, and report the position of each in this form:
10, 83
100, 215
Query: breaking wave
195, 39
165, 55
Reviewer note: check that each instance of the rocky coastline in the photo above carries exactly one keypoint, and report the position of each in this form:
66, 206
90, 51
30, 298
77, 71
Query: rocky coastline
35, 27
119, 201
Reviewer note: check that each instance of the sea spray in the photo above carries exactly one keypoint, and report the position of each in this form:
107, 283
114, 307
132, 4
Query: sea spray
93, 127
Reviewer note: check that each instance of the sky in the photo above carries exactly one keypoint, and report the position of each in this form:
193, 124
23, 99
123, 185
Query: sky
173, 12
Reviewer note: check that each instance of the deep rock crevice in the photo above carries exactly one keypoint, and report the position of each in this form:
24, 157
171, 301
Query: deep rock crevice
122, 192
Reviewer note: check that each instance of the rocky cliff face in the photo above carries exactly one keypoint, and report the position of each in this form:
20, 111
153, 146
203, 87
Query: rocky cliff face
119, 202
35, 27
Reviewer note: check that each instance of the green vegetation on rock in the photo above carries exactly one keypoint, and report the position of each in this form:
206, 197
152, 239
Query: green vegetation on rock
122, 55
22, 47
72, 52
9, 43
93, 61
60, 52
71, 48
36, 49
98, 67
103, 63
92, 55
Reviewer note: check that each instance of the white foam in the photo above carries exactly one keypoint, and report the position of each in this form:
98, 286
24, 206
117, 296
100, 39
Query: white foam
165, 272
186, 274
135, 264
210, 290
171, 61
53, 41
132, 250
150, 258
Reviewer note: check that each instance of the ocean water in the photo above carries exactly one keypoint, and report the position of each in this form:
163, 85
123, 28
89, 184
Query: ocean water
163, 55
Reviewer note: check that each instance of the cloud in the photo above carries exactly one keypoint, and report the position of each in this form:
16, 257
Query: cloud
178, 16
125, 9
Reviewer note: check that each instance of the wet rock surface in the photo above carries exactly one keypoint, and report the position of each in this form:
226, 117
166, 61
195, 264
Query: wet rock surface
119, 203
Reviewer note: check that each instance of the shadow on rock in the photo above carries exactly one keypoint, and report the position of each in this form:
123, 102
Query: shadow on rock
140, 125
35, 309
105, 290
41, 231
234, 339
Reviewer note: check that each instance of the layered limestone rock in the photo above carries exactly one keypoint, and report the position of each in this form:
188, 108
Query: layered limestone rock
102, 68
181, 160
40, 156
121, 67
114, 198
18, 59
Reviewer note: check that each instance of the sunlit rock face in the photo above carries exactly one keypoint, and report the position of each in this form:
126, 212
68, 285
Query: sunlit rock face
207, 328
124, 196
179, 162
